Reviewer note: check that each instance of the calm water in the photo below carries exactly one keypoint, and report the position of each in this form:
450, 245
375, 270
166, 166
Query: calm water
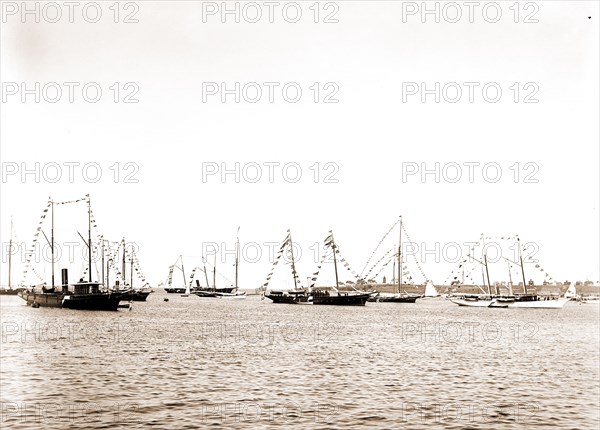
193, 362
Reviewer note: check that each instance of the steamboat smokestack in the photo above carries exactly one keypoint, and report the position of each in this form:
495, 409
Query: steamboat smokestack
65, 281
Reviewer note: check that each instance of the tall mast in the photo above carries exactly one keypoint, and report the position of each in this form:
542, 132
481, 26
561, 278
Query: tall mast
183, 271
293, 262
107, 265
205, 273
487, 272
131, 271
215, 273
102, 254
400, 257
522, 269
10, 253
483, 277
470, 258
123, 263
52, 239
333, 246
89, 239
510, 282
484, 252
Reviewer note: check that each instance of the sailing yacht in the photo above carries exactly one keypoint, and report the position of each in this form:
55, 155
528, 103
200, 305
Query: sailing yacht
528, 300
169, 288
214, 291
478, 300
400, 296
231, 292
131, 293
336, 297
137, 294
297, 295
205, 291
235, 294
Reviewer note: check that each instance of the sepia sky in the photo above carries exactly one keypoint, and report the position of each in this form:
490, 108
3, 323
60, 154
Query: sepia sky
372, 139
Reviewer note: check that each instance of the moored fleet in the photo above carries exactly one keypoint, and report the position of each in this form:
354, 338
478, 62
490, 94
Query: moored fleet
109, 293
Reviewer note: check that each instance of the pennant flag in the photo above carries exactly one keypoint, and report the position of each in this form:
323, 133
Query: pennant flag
287, 240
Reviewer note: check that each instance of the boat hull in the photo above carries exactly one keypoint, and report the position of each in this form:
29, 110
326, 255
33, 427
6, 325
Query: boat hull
9, 291
343, 299
92, 302
399, 298
537, 304
205, 294
46, 300
136, 296
290, 299
498, 304
472, 303
231, 296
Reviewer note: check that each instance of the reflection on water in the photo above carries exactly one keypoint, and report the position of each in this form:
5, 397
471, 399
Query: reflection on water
194, 362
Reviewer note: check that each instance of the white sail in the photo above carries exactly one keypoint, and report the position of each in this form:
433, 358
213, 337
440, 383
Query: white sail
187, 291
571, 292
430, 290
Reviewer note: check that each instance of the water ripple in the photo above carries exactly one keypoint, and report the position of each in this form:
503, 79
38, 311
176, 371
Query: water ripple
191, 363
